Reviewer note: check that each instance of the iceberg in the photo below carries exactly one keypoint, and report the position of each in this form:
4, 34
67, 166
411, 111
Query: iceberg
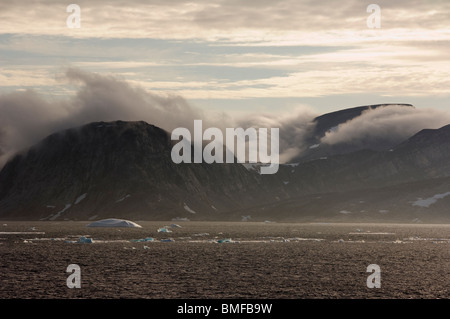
81, 240
225, 240
85, 240
113, 222
164, 230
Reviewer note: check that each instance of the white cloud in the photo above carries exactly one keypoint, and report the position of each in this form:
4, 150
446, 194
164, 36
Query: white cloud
391, 123
408, 56
248, 21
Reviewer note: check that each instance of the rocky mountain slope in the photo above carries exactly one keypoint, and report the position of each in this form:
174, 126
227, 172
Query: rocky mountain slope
124, 170
119, 169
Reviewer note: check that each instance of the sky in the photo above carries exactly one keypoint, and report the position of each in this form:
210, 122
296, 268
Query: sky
281, 59
236, 55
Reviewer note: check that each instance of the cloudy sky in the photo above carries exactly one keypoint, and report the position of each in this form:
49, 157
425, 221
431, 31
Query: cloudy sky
236, 55
286, 59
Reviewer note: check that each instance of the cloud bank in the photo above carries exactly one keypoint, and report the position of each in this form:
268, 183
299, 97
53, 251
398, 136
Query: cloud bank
234, 20
28, 117
386, 125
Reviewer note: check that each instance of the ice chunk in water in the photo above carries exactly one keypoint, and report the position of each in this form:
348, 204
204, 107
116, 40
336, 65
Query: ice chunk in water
85, 240
81, 240
225, 240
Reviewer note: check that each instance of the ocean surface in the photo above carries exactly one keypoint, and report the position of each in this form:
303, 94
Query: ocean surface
205, 260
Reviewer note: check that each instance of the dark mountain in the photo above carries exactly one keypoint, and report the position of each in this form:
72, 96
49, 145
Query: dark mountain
124, 170
423, 156
120, 169
372, 182
425, 201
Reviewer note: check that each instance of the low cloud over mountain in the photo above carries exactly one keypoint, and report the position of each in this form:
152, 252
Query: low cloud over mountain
29, 116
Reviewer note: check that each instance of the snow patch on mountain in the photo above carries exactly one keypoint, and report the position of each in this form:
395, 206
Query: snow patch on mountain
186, 207
80, 198
123, 198
59, 213
427, 202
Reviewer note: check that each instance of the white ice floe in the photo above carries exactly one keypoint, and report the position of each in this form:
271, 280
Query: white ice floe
286, 182
21, 233
80, 198
314, 146
345, 212
427, 202
370, 233
186, 207
433, 240
246, 218
305, 239
113, 222
148, 239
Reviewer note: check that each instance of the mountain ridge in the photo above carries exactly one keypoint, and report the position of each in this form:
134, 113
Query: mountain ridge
124, 169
